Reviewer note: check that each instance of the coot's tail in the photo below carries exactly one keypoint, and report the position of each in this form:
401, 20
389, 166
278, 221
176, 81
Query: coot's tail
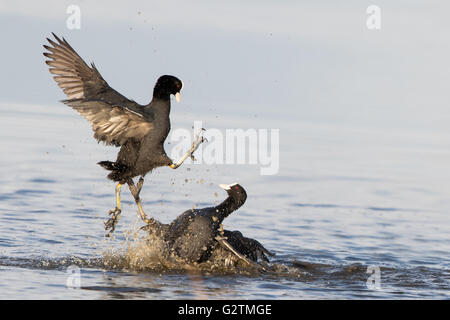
117, 170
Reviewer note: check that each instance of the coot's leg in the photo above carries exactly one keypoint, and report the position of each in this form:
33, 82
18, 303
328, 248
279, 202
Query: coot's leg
135, 192
152, 225
115, 213
198, 140
139, 185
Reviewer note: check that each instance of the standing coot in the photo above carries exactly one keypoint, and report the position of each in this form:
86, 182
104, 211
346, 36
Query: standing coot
139, 130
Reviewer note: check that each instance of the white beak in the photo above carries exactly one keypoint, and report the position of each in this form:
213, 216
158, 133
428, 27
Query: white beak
227, 186
178, 97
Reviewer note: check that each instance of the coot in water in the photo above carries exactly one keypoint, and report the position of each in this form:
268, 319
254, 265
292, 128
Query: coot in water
197, 233
139, 130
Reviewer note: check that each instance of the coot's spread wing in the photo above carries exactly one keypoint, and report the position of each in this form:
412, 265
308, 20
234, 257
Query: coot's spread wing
249, 247
76, 78
113, 124
114, 118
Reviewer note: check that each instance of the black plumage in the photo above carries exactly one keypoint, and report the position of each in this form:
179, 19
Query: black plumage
196, 233
139, 130
248, 247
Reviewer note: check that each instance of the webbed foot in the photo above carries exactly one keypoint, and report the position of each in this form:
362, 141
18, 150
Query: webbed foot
111, 223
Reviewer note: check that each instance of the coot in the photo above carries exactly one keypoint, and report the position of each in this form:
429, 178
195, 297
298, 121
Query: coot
139, 130
196, 233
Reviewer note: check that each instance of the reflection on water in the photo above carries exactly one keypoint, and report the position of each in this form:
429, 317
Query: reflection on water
345, 199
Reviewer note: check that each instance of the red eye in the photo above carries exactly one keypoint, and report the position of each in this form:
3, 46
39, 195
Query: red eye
236, 187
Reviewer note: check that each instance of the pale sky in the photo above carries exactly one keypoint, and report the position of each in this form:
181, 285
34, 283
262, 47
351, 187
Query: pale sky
297, 59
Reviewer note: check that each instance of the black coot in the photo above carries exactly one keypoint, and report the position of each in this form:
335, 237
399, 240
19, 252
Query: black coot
196, 233
139, 130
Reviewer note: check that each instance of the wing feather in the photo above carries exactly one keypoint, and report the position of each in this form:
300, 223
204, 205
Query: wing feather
112, 124
79, 80
114, 118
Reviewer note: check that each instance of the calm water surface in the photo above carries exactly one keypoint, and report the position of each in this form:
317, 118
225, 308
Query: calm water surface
345, 198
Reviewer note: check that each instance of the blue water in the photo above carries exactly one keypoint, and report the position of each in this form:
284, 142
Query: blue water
345, 198
364, 148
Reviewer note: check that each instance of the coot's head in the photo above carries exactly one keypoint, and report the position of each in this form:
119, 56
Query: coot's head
167, 85
236, 192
